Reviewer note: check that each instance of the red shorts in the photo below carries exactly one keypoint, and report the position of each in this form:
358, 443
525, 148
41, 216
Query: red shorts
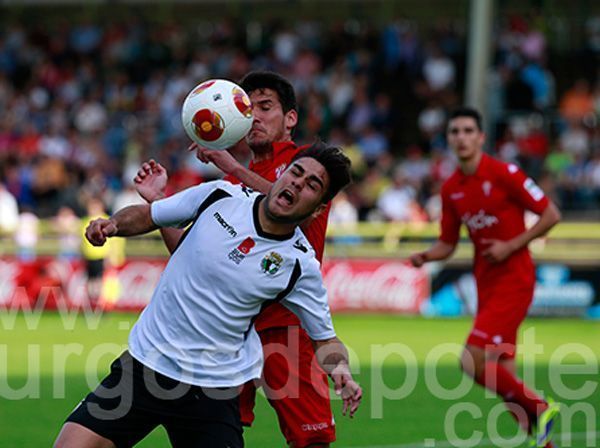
499, 315
295, 386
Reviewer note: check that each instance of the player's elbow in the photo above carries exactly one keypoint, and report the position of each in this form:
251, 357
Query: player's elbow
554, 214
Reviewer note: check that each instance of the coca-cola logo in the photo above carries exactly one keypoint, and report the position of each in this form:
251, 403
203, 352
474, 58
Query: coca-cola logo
382, 285
137, 281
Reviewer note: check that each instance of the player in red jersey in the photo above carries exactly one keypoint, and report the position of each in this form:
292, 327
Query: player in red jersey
299, 396
490, 198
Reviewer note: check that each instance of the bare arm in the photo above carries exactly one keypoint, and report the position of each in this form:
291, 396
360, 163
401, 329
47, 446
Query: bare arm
229, 165
251, 179
150, 183
333, 358
439, 251
499, 250
129, 221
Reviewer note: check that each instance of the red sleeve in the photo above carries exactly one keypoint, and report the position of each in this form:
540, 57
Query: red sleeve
315, 233
231, 179
450, 223
523, 190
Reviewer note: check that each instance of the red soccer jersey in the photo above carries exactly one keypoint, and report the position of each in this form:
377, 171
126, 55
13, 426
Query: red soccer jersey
277, 315
491, 203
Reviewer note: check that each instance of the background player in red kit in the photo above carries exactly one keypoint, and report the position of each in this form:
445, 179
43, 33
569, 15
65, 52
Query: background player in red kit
490, 198
301, 401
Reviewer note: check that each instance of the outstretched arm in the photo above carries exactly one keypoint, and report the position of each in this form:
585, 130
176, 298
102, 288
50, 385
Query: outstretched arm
333, 358
129, 221
150, 183
227, 163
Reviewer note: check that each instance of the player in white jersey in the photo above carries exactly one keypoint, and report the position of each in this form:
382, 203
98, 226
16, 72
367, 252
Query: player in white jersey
195, 344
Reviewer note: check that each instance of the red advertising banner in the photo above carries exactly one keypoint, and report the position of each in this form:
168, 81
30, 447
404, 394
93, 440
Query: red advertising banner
353, 284
375, 285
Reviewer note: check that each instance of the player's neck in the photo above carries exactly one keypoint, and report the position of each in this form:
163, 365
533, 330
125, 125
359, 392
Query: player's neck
261, 154
469, 166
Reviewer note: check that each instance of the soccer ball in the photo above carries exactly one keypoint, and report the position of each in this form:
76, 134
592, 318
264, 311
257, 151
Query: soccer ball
217, 114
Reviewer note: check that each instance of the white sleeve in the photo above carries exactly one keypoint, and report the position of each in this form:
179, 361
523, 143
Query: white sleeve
181, 208
308, 301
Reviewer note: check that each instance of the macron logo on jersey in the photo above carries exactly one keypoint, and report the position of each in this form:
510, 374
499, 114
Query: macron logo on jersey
229, 228
479, 221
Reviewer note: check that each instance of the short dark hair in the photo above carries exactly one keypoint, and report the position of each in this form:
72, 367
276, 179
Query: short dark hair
335, 162
466, 112
270, 80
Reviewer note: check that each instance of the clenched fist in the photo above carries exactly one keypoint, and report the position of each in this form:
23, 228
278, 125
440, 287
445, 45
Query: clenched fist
99, 229
418, 259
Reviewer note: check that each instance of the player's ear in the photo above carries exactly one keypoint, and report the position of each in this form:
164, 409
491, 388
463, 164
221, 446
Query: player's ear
291, 119
320, 209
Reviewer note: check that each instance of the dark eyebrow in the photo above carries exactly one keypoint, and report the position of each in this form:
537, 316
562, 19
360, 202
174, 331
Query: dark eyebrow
464, 128
311, 177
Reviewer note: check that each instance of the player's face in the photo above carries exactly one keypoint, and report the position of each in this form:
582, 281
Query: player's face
270, 124
464, 137
299, 192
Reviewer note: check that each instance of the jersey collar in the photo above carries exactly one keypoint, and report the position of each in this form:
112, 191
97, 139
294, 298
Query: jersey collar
479, 172
258, 227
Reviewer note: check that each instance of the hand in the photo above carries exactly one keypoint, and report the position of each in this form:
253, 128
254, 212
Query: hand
151, 181
418, 259
98, 230
221, 159
347, 388
498, 250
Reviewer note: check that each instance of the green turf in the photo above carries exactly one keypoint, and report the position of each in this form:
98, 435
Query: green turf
388, 353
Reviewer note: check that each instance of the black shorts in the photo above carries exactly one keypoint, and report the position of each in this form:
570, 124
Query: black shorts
94, 268
133, 400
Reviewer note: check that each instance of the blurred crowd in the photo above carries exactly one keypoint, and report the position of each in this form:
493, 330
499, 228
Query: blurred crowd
84, 104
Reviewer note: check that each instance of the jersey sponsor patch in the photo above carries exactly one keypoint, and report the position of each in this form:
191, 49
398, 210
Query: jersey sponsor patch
238, 254
271, 263
479, 220
532, 188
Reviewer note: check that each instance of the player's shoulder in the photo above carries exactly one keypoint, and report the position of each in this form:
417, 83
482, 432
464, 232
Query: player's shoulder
452, 182
238, 191
302, 250
500, 167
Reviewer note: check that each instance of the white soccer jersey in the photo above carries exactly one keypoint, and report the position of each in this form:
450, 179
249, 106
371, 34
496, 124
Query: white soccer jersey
198, 327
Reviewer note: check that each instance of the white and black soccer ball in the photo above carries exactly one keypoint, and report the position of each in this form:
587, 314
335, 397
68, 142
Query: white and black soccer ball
217, 114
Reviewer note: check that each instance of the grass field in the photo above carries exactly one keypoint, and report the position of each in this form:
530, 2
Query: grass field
414, 394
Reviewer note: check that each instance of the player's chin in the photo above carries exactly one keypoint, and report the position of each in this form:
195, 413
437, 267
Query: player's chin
255, 140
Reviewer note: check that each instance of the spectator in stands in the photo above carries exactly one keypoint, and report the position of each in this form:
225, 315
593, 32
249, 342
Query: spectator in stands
398, 203
9, 211
577, 103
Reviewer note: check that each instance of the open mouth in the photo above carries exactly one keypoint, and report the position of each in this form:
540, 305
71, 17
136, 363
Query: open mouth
286, 196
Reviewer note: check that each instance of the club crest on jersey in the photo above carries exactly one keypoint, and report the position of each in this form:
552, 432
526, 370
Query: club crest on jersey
239, 253
486, 187
271, 263
279, 170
